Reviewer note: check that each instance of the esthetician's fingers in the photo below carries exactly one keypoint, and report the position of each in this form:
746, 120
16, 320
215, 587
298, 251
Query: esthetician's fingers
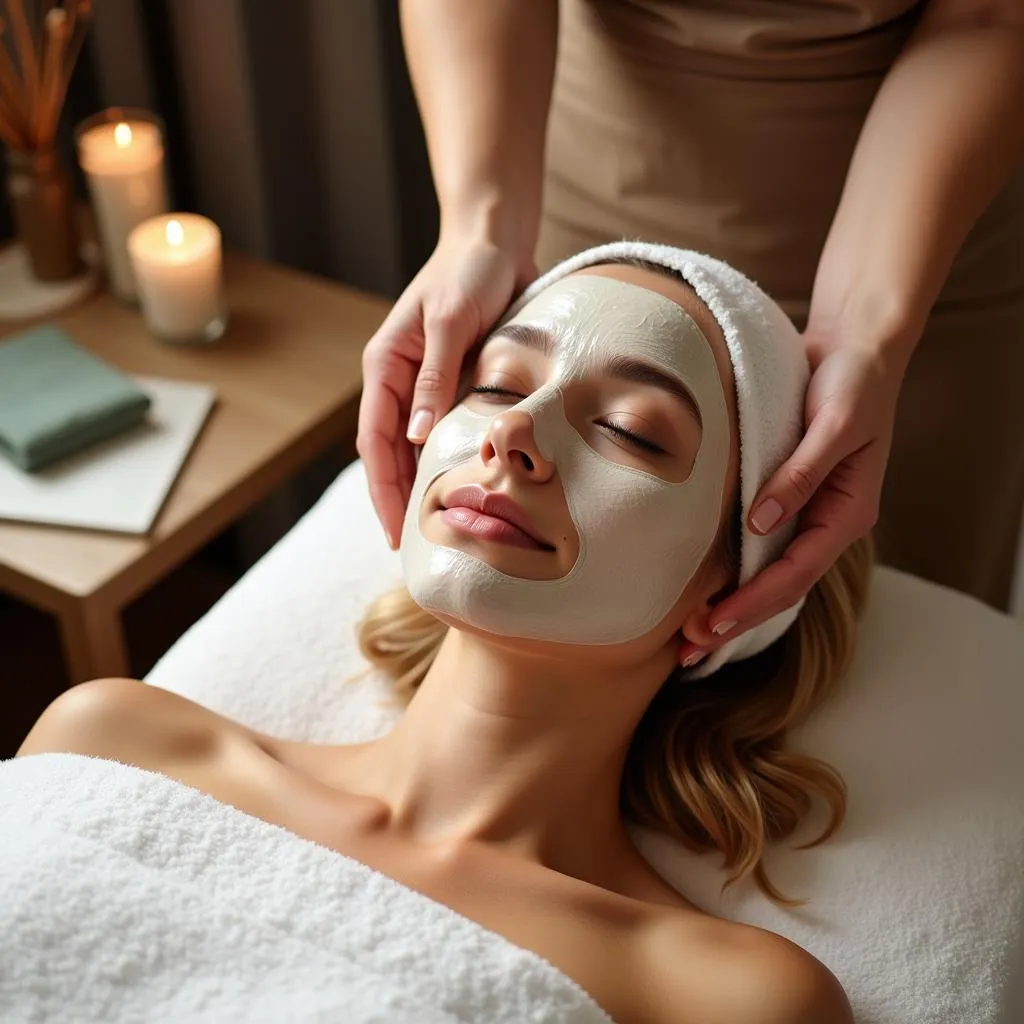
842, 509
824, 535
784, 582
850, 405
834, 480
389, 372
411, 366
690, 655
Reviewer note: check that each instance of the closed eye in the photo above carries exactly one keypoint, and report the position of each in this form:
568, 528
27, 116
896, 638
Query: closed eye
638, 440
493, 389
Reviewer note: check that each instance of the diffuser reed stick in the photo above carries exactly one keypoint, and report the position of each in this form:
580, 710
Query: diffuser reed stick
36, 65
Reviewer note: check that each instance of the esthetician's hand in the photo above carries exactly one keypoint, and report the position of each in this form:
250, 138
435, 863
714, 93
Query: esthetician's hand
833, 481
411, 365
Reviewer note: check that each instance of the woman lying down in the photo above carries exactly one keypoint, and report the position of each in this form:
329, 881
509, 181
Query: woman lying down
583, 503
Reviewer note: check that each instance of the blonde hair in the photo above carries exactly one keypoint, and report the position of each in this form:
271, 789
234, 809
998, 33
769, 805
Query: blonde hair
708, 763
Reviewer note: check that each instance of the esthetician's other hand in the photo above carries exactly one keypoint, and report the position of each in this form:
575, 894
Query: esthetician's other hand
411, 365
833, 481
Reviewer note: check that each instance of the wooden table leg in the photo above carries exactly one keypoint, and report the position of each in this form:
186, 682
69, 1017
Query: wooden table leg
94, 642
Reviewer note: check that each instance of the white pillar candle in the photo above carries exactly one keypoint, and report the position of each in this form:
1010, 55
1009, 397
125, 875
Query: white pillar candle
176, 261
122, 155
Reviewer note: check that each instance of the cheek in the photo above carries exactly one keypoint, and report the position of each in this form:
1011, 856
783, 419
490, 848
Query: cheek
455, 440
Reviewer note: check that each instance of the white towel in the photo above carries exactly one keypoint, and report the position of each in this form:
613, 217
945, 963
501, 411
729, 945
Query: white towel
126, 896
771, 373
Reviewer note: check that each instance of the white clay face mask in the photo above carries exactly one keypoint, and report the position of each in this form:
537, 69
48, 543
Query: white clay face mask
642, 538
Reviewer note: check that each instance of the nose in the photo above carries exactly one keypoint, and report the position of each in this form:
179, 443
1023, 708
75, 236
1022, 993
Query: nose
511, 440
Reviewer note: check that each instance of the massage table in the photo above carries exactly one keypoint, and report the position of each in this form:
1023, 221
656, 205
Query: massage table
127, 896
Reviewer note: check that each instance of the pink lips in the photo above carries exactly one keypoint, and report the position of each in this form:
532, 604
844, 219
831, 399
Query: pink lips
490, 516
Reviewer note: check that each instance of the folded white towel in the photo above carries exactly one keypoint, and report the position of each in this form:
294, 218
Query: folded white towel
126, 896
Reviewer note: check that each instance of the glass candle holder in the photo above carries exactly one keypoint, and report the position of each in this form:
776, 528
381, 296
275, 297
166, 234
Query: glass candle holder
176, 263
121, 152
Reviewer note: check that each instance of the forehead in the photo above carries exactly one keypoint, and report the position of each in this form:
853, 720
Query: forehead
667, 284
592, 317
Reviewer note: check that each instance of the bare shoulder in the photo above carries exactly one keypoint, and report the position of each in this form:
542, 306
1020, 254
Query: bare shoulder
124, 720
778, 982
740, 974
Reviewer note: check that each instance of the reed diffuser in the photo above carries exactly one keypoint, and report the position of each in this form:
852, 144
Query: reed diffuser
39, 45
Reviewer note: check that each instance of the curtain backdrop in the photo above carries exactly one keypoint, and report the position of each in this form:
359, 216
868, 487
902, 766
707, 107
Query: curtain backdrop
292, 125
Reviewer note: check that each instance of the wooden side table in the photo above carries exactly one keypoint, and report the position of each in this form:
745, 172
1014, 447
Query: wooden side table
288, 377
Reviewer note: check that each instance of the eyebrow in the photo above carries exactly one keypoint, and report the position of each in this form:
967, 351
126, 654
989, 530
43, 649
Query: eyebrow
528, 336
622, 367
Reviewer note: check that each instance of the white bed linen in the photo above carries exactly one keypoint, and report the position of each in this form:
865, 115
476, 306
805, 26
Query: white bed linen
917, 904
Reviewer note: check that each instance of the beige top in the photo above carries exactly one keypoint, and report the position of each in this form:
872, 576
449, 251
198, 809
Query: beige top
772, 38
728, 126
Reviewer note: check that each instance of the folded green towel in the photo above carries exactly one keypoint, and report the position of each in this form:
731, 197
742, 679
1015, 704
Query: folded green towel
56, 398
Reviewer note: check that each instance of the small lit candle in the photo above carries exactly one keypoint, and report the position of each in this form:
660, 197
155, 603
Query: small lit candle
122, 155
176, 261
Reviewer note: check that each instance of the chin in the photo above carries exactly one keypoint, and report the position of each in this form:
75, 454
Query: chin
511, 644
437, 597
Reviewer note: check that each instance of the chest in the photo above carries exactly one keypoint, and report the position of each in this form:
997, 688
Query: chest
592, 938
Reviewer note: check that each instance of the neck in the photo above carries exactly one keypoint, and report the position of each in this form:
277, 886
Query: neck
515, 750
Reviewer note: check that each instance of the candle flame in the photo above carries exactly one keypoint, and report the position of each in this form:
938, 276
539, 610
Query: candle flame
123, 136
175, 232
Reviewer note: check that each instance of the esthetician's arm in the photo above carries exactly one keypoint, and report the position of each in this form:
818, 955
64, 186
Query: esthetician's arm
944, 135
482, 73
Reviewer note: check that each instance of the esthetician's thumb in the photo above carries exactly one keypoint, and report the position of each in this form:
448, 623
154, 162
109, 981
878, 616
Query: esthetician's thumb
465, 290
447, 335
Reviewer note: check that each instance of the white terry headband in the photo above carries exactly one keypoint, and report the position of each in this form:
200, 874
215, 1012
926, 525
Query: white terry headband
771, 373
